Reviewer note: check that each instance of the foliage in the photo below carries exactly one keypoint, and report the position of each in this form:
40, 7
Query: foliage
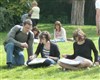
6, 19
11, 11
50, 11
54, 10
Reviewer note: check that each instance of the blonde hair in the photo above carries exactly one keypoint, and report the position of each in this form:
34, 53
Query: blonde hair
34, 3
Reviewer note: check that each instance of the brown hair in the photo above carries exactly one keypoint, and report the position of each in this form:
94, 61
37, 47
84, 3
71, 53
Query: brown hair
45, 34
80, 34
59, 24
27, 21
38, 32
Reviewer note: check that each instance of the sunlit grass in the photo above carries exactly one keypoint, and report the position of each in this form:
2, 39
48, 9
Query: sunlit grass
50, 73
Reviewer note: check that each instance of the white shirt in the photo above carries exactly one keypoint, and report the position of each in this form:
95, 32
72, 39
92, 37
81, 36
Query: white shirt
35, 12
97, 4
60, 34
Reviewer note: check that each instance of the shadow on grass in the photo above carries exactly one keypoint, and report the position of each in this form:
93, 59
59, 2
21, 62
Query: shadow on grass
4, 67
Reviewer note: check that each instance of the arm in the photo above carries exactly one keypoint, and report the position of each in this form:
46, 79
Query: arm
94, 50
74, 55
63, 33
30, 45
11, 36
38, 50
54, 52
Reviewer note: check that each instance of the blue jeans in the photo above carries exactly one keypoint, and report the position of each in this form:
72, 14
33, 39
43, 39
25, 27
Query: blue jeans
14, 54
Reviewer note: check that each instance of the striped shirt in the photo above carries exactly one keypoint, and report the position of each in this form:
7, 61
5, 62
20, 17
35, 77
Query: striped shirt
46, 52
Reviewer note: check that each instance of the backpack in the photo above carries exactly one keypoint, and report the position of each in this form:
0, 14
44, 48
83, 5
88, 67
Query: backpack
20, 31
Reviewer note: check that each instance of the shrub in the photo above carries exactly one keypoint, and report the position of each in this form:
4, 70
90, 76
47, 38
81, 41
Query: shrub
6, 19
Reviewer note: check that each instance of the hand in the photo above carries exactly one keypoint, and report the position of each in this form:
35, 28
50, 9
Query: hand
24, 45
32, 57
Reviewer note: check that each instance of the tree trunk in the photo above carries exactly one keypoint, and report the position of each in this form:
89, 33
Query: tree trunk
77, 14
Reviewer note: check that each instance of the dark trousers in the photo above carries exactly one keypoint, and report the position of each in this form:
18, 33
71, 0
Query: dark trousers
34, 22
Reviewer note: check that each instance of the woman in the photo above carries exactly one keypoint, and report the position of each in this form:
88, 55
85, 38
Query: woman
59, 32
48, 50
82, 52
36, 32
35, 13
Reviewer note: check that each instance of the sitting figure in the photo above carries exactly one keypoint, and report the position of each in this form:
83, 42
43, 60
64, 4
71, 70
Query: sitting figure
36, 32
82, 57
49, 51
59, 32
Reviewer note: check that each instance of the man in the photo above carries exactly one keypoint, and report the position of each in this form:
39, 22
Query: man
18, 38
97, 5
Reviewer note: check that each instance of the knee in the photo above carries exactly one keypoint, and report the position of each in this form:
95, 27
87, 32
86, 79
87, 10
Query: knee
9, 45
86, 64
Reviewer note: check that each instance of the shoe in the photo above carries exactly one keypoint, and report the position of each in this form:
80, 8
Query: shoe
9, 66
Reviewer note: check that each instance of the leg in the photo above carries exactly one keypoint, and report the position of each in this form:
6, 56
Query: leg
51, 61
85, 63
33, 22
9, 48
36, 22
66, 66
19, 57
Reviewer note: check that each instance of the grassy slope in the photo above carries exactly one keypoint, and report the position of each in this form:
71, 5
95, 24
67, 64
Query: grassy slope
50, 73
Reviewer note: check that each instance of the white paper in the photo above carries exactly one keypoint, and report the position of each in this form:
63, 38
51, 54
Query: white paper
36, 61
70, 62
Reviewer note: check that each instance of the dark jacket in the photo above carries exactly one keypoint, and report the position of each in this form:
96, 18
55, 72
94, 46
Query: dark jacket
54, 51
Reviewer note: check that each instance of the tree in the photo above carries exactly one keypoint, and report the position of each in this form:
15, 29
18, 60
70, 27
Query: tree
77, 13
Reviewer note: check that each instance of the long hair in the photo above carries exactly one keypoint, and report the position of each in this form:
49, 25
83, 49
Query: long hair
37, 30
59, 24
80, 34
46, 35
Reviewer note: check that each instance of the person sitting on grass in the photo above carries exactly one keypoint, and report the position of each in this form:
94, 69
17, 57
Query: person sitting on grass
59, 32
48, 50
36, 32
82, 53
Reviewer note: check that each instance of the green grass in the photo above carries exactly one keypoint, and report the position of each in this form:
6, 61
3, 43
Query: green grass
53, 72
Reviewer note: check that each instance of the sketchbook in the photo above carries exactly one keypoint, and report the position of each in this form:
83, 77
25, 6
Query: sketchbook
70, 62
37, 61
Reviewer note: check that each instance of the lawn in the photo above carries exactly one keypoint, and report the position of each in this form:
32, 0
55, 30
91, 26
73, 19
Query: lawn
53, 72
